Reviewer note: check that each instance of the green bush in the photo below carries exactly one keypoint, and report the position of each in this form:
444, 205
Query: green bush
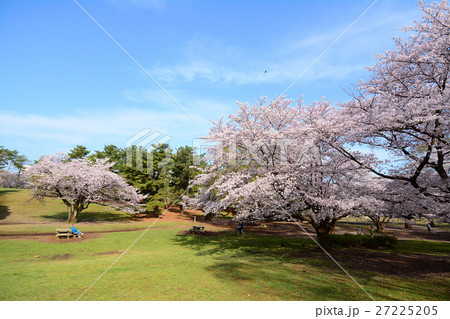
349, 240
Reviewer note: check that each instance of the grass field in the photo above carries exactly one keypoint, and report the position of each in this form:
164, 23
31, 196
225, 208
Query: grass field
169, 264
15, 206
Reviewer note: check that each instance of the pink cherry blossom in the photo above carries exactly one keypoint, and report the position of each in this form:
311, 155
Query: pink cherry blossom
80, 182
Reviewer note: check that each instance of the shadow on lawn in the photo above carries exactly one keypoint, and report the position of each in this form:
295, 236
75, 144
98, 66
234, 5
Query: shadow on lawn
249, 245
268, 260
293, 268
400, 265
3, 191
284, 282
300, 250
4, 210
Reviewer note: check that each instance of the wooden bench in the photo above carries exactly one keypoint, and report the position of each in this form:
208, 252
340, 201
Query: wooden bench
63, 233
197, 229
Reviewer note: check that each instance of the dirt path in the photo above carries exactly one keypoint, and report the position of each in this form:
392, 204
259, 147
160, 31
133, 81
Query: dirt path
50, 237
288, 229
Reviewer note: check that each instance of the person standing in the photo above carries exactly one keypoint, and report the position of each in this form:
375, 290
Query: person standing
240, 228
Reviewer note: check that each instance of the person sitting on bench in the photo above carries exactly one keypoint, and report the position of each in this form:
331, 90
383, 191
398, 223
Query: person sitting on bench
76, 232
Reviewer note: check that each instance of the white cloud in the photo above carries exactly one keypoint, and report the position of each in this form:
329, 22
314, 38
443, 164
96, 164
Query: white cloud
99, 127
153, 97
205, 70
211, 61
189, 101
211, 72
47, 134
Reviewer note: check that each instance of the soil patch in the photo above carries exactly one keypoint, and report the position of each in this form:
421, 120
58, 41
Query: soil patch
50, 238
61, 257
403, 265
171, 215
406, 265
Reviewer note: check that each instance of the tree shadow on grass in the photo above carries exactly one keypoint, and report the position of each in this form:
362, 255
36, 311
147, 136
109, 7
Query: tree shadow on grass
399, 265
278, 281
298, 250
90, 217
4, 212
265, 263
3, 191
7, 190
240, 258
249, 245
233, 270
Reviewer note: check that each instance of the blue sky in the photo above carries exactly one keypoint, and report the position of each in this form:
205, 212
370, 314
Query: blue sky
64, 82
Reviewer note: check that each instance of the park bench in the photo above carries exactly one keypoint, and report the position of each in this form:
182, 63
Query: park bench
66, 233
197, 229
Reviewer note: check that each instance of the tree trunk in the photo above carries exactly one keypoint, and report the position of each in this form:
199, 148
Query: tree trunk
382, 222
157, 211
166, 203
380, 227
18, 178
324, 230
73, 214
74, 210
324, 239
379, 222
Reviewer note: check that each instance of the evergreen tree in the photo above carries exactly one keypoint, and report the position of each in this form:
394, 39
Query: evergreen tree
115, 154
19, 162
183, 170
78, 152
160, 162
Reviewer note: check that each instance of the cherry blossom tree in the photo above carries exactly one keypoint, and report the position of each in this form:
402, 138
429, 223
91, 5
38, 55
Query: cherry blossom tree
319, 163
270, 161
404, 201
402, 112
80, 182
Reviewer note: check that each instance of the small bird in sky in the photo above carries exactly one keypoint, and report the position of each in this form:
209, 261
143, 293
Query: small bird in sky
265, 71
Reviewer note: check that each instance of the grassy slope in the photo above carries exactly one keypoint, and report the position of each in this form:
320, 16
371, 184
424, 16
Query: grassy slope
167, 265
47, 229
15, 206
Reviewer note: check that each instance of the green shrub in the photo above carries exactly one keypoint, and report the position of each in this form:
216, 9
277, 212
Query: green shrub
349, 240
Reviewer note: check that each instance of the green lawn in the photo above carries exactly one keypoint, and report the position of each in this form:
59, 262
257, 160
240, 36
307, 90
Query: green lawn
167, 264
15, 206
420, 247
19, 215
85, 227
